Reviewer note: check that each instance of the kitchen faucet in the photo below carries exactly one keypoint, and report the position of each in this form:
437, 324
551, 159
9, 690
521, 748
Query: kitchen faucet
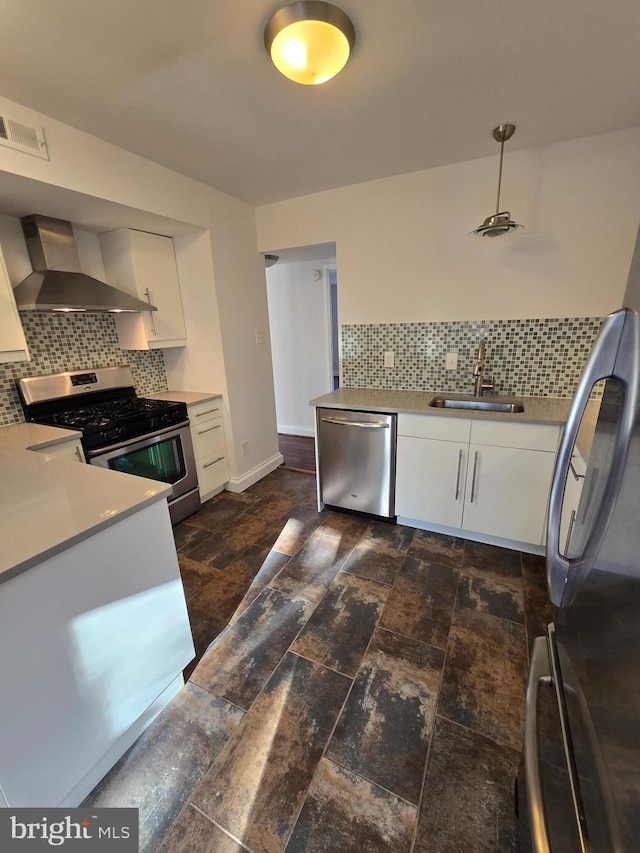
481, 384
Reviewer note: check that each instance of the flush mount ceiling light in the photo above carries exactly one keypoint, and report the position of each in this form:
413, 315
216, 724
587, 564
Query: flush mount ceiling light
270, 260
500, 222
309, 41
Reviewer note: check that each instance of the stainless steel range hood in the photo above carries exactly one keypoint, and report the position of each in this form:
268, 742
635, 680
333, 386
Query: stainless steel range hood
57, 282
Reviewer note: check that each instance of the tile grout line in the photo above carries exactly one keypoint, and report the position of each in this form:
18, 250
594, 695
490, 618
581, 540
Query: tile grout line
226, 746
377, 627
414, 840
338, 715
256, 697
341, 711
221, 828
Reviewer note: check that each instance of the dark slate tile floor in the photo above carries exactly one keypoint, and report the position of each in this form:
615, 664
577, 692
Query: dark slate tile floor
358, 686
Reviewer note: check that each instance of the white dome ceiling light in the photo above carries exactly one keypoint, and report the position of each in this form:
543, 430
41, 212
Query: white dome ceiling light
309, 41
500, 222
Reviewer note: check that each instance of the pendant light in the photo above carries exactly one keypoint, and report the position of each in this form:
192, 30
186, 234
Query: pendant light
500, 222
309, 41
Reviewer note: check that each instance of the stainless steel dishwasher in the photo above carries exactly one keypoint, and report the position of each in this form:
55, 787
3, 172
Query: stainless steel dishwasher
357, 460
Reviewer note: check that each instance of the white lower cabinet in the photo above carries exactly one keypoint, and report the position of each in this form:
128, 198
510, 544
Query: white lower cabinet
209, 446
486, 477
430, 480
70, 450
507, 492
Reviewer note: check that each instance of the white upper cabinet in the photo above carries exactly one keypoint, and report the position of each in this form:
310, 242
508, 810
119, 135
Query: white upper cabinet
13, 346
145, 265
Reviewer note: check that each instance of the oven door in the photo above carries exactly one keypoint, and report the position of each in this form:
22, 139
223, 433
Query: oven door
167, 456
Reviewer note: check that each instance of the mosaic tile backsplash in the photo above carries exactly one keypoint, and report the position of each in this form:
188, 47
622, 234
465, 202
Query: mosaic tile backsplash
76, 342
525, 358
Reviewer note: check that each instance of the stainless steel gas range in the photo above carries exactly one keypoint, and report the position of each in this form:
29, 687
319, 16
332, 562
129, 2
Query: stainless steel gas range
120, 431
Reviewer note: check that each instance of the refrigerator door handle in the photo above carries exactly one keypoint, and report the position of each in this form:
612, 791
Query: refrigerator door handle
539, 673
615, 354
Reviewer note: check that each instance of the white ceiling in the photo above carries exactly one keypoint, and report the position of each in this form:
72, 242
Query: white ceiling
189, 84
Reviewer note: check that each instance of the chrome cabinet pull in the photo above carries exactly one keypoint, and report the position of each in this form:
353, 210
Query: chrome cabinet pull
147, 293
572, 521
209, 464
590, 490
458, 474
473, 481
202, 431
574, 472
208, 412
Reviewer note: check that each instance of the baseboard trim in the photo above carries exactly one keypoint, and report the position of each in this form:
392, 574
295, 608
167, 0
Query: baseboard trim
305, 432
240, 484
527, 547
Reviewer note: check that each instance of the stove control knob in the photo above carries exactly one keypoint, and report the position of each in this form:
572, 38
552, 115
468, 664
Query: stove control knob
121, 430
104, 435
164, 418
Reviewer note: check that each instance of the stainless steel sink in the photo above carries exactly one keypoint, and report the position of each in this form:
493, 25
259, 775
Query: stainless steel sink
478, 404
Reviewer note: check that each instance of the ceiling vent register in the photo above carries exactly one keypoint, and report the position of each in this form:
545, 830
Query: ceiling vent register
23, 138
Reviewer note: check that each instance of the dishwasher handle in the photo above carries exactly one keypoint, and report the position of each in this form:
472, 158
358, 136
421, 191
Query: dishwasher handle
360, 424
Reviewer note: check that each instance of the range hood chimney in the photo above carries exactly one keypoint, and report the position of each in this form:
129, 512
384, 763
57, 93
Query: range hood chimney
57, 282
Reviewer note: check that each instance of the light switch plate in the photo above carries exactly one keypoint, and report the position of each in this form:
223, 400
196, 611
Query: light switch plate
451, 362
389, 358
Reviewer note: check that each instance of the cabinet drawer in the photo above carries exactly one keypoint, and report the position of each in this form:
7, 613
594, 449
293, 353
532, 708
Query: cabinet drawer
200, 412
207, 437
213, 471
440, 427
525, 436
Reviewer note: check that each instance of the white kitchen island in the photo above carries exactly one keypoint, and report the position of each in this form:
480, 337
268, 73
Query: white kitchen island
93, 622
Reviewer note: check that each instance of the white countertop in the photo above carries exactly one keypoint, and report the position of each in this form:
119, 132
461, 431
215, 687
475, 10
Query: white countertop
538, 410
188, 397
548, 410
47, 505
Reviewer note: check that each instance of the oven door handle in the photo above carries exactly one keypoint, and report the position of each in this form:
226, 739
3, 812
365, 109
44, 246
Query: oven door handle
130, 442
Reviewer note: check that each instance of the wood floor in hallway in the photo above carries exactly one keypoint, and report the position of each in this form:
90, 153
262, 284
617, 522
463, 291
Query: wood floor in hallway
299, 452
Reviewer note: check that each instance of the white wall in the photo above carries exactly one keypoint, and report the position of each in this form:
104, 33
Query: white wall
100, 186
300, 341
403, 254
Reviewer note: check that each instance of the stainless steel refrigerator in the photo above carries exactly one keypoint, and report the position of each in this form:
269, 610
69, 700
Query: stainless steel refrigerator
580, 785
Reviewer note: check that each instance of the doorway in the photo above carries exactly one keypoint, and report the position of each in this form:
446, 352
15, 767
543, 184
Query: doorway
303, 320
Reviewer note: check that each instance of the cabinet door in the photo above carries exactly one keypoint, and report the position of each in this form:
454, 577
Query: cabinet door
430, 478
154, 262
13, 346
145, 266
69, 450
507, 492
